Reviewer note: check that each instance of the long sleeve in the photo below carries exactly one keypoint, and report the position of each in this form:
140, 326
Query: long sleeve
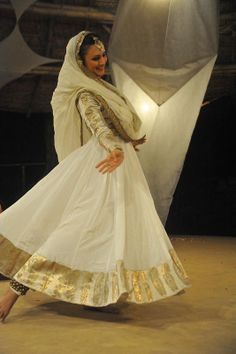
91, 113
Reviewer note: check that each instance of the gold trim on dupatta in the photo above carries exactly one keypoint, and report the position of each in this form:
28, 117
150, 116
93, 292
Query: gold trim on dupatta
111, 115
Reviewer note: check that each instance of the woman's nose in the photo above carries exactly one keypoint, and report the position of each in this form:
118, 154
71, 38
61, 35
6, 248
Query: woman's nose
103, 60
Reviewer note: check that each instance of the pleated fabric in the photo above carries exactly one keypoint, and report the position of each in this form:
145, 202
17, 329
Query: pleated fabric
89, 238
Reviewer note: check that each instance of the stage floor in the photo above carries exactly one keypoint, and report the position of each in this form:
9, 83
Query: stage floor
201, 321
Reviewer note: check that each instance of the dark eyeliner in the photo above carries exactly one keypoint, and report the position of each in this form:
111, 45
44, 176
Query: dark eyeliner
97, 57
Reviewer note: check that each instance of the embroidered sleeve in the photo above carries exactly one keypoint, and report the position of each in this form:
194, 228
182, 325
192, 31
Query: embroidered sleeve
90, 111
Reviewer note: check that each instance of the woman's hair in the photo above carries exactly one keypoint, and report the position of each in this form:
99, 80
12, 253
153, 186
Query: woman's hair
89, 40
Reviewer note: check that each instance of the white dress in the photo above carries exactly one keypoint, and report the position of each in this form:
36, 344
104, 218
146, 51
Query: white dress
88, 238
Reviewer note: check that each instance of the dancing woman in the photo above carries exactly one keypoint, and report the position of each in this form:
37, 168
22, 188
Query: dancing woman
88, 232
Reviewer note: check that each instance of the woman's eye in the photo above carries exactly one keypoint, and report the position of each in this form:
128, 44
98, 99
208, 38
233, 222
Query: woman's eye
98, 57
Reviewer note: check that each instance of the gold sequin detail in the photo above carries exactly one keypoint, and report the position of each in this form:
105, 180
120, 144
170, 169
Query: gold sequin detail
84, 293
98, 288
81, 37
11, 257
144, 281
168, 277
84, 282
154, 275
137, 287
179, 270
114, 281
123, 133
128, 283
90, 288
96, 122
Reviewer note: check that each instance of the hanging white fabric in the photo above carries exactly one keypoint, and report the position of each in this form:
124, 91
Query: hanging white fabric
162, 54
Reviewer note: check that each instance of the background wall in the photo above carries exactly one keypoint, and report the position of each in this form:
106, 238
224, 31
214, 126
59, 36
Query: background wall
26, 153
205, 198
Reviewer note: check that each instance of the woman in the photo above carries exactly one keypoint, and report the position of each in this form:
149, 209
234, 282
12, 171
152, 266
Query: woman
82, 234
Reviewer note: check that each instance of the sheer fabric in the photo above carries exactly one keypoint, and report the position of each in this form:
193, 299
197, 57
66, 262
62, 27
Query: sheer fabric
162, 54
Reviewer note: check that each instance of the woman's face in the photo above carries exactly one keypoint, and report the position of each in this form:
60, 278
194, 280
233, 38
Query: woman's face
95, 60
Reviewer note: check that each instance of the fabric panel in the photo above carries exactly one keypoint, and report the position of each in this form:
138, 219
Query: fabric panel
172, 41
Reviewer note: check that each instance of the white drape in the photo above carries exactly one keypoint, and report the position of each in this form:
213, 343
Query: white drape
162, 54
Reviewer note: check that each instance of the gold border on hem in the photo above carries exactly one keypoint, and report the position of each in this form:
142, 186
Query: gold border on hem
11, 257
103, 288
92, 288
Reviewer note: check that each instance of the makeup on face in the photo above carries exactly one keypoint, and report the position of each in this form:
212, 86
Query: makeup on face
95, 60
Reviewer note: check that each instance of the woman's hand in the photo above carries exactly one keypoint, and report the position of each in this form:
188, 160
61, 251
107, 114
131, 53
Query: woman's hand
113, 160
139, 142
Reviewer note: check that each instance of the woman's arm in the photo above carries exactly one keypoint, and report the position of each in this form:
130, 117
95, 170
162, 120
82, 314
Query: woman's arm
90, 111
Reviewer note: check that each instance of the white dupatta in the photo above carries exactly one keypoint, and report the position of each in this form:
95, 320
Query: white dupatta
74, 79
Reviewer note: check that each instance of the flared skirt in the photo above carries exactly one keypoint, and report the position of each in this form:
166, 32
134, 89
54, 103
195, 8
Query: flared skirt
88, 238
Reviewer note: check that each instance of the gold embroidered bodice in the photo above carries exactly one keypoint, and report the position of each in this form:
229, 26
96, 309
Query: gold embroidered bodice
97, 120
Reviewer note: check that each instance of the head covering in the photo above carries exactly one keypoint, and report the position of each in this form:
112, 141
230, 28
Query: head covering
74, 79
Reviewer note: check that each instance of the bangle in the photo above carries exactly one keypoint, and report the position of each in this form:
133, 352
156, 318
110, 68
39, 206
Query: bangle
18, 288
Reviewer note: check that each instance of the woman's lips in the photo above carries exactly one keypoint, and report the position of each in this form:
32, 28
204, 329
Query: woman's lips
100, 70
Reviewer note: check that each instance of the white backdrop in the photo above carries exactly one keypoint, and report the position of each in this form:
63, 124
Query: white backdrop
162, 53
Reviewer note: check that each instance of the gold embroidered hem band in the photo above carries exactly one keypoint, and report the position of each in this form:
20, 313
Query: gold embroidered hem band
103, 288
94, 288
11, 257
